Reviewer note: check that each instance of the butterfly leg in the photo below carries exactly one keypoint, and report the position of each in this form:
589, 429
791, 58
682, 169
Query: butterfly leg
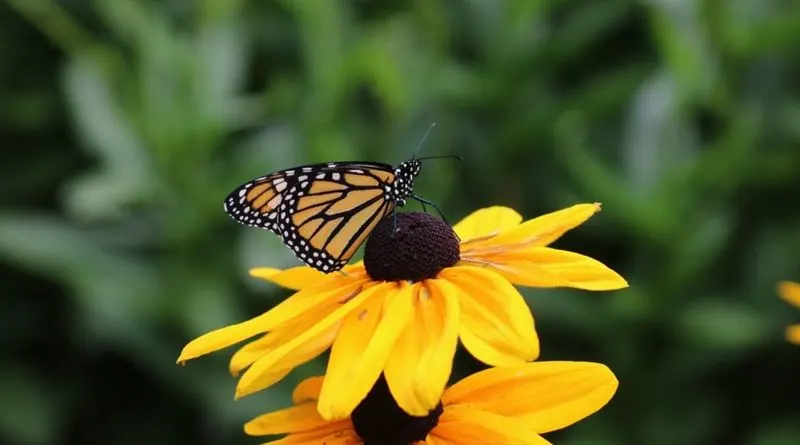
424, 201
394, 222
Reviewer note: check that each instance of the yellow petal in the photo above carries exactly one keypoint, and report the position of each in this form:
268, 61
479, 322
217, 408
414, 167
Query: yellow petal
316, 297
546, 267
487, 221
467, 426
291, 420
790, 291
307, 390
222, 338
304, 425
496, 325
546, 396
361, 348
793, 333
251, 381
256, 349
251, 352
300, 354
420, 364
336, 434
545, 229
294, 278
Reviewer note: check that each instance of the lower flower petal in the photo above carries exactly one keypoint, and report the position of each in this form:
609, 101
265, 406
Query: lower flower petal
487, 221
278, 358
546, 267
361, 349
421, 362
793, 333
546, 396
303, 418
336, 433
790, 291
496, 325
307, 390
467, 426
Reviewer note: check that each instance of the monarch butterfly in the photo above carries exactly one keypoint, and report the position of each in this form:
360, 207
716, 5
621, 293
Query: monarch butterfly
324, 212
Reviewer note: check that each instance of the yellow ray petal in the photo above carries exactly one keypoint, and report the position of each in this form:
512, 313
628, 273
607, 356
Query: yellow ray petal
251, 380
545, 229
790, 291
289, 360
546, 396
290, 420
546, 267
251, 352
222, 338
332, 433
307, 390
487, 221
420, 364
294, 278
496, 325
328, 436
313, 298
361, 348
256, 349
793, 333
466, 426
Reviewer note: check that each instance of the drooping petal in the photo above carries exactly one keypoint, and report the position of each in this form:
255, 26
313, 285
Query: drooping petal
250, 352
546, 396
256, 349
790, 291
420, 364
302, 353
487, 221
496, 325
361, 349
547, 267
251, 381
467, 426
793, 333
312, 298
294, 278
545, 229
307, 390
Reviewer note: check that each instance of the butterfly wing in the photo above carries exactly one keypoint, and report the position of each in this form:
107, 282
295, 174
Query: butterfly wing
323, 212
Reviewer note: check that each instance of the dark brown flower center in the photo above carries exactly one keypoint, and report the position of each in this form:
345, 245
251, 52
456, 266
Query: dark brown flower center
420, 246
378, 420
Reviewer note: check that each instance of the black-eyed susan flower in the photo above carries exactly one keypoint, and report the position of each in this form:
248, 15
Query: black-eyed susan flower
790, 291
402, 311
506, 405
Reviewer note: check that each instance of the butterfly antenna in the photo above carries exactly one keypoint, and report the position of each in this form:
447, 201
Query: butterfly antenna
414, 156
457, 157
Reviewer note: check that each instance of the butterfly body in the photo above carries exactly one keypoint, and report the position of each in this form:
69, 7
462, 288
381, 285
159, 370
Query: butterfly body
324, 212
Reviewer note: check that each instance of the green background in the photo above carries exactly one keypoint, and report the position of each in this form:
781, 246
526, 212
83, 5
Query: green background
123, 125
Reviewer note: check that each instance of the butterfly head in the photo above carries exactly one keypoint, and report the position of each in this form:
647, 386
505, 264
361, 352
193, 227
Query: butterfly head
404, 180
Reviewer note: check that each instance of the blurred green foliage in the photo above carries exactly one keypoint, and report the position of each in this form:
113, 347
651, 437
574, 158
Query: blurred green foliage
124, 123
